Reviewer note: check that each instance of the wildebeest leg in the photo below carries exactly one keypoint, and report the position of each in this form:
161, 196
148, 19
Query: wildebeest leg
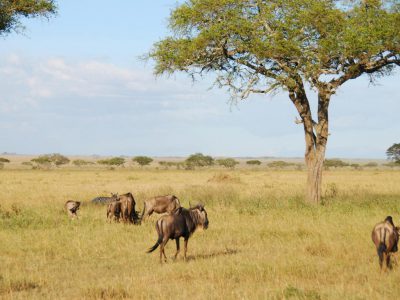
185, 248
177, 247
383, 262
162, 251
388, 265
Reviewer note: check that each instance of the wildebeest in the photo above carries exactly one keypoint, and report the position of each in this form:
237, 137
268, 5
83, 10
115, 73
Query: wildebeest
182, 223
128, 212
160, 204
104, 200
72, 208
385, 237
114, 211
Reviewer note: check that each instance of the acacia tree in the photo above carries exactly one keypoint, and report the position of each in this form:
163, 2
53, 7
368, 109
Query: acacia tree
11, 11
259, 46
393, 153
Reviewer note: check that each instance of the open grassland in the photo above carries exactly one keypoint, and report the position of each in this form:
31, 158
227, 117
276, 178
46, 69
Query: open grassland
263, 241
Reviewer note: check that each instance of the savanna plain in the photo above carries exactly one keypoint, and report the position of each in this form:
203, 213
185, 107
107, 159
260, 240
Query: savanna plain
263, 240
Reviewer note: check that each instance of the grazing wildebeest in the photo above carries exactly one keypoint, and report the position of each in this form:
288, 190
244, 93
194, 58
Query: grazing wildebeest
385, 237
160, 204
72, 208
182, 223
114, 211
105, 200
128, 212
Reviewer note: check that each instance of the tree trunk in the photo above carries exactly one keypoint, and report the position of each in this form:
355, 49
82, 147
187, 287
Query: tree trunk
316, 137
315, 149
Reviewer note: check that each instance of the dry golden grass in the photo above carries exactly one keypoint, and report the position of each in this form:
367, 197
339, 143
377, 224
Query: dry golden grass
263, 241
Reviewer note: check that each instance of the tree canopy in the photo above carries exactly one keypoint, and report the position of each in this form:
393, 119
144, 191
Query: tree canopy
142, 160
11, 11
393, 153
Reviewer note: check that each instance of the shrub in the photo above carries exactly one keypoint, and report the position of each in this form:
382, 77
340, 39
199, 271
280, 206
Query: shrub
227, 162
115, 161
253, 162
371, 165
49, 160
81, 162
279, 164
4, 160
336, 163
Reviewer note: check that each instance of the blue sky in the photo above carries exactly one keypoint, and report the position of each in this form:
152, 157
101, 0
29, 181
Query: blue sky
74, 85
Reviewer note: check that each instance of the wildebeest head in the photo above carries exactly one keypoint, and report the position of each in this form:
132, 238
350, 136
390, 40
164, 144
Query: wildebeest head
201, 215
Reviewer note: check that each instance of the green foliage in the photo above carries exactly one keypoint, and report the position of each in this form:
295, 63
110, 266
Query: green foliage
253, 162
227, 162
81, 162
280, 164
199, 160
142, 160
115, 161
4, 160
393, 153
49, 160
259, 46
11, 11
336, 163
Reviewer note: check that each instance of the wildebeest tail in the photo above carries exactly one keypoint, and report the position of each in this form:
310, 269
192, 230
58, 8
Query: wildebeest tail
160, 238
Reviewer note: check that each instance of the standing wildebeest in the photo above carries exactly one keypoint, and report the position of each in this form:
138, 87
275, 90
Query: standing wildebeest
183, 223
160, 204
72, 208
104, 200
128, 212
385, 237
114, 211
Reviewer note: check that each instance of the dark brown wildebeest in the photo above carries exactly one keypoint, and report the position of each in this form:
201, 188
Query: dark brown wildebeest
72, 208
385, 237
160, 204
114, 211
182, 223
128, 212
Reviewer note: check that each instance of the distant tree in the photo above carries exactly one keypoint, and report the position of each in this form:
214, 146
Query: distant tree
199, 160
227, 162
11, 11
4, 160
142, 160
287, 46
393, 153
115, 161
253, 162
356, 166
49, 160
336, 163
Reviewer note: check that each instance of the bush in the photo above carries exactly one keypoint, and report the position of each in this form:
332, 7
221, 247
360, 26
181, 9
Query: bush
49, 160
115, 161
279, 164
142, 160
253, 162
198, 160
81, 162
4, 160
227, 162
336, 163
